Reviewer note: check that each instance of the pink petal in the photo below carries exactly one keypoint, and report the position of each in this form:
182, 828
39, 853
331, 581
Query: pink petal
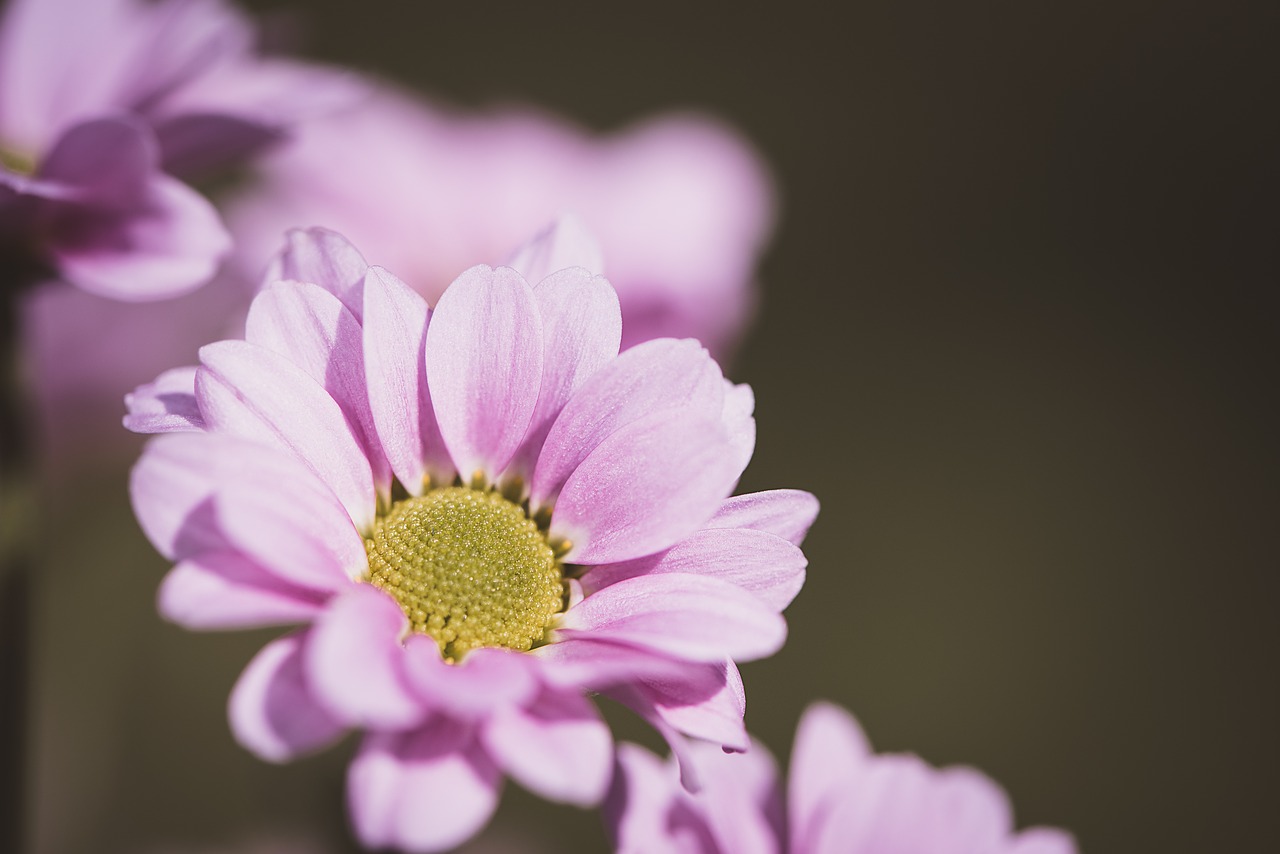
484, 366
483, 681
686, 616
642, 804
644, 488
396, 372
427, 790
740, 800
765, 565
166, 405
581, 327
739, 403
325, 258
657, 376
788, 513
220, 590
563, 244
271, 710
830, 749
595, 665
353, 661
557, 747
173, 484
706, 702
1042, 840
309, 326
248, 391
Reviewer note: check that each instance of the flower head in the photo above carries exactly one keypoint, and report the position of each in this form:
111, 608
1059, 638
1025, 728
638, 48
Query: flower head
841, 799
681, 204
101, 104
480, 513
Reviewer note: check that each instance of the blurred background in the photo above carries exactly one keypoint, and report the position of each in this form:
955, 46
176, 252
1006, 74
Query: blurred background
1017, 332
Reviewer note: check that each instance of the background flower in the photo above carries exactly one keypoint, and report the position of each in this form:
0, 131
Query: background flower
840, 799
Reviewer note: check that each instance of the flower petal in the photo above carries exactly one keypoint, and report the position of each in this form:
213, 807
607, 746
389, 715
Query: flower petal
486, 679
563, 244
739, 403
657, 376
705, 701
173, 484
165, 405
767, 566
829, 752
222, 590
685, 616
787, 513
325, 258
427, 790
353, 661
310, 327
644, 488
1043, 840
581, 327
557, 747
596, 665
271, 710
249, 391
396, 373
641, 808
484, 366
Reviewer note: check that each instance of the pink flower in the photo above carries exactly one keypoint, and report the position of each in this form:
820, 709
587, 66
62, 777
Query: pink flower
479, 513
101, 104
681, 205
842, 799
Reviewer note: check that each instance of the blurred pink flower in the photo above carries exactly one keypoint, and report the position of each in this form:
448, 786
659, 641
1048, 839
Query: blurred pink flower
481, 512
101, 104
681, 205
842, 799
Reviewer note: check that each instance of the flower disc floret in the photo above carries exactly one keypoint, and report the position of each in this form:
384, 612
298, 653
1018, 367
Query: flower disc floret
469, 568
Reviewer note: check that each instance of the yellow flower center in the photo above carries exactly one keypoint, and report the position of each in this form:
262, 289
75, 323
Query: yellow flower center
469, 568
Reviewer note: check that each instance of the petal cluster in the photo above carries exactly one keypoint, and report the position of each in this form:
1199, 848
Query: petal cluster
681, 204
841, 799
102, 104
349, 393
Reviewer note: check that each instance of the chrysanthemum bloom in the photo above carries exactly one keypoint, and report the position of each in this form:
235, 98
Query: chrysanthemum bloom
480, 513
841, 799
681, 205
102, 103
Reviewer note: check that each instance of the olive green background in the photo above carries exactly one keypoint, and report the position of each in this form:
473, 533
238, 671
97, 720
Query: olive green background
1018, 334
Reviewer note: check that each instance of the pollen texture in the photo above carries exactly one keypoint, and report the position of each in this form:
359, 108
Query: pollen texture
469, 569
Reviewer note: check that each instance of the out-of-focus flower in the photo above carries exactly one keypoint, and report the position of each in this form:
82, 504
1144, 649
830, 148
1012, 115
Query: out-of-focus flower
681, 205
101, 105
841, 799
481, 512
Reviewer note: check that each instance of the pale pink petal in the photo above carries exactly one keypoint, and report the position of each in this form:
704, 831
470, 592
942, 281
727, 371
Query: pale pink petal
563, 244
686, 616
645, 811
787, 513
644, 488
248, 391
484, 367
395, 367
740, 800
829, 752
325, 258
1042, 840
173, 484
767, 566
581, 327
166, 405
282, 536
657, 376
486, 679
309, 326
353, 661
421, 791
739, 404
707, 702
595, 665
271, 710
557, 747
222, 590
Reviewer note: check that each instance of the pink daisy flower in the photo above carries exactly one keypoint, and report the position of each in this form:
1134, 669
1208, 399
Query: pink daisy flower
102, 104
481, 513
841, 799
